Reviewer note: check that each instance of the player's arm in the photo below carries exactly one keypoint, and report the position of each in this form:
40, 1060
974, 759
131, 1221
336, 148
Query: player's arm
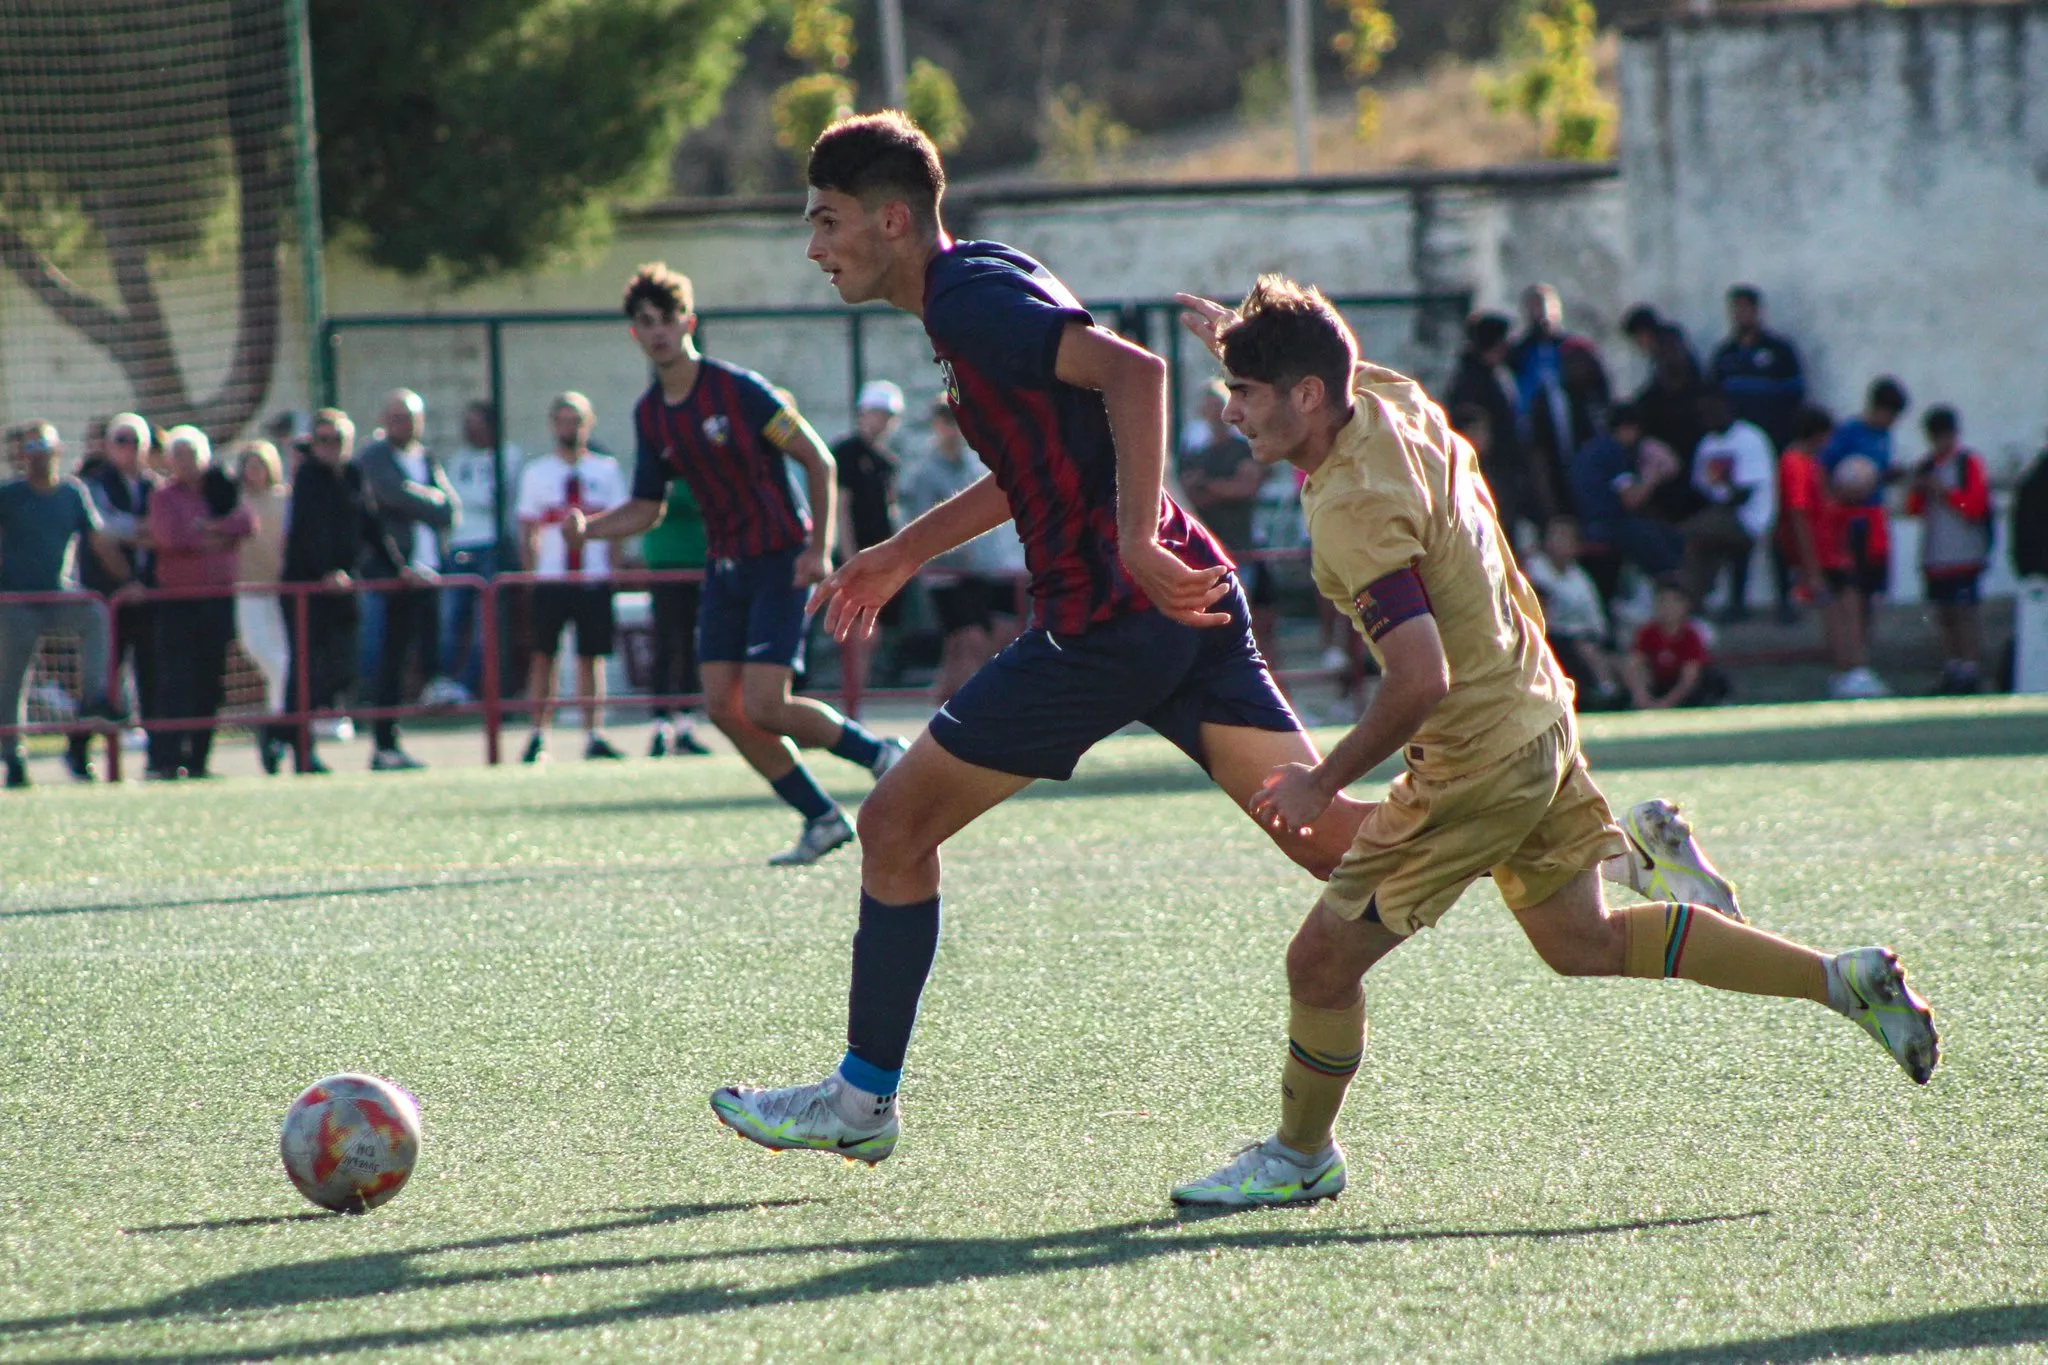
794, 437
1132, 382
1416, 677
629, 518
853, 596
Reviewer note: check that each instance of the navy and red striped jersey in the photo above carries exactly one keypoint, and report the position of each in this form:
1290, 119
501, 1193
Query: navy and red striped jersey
995, 318
721, 440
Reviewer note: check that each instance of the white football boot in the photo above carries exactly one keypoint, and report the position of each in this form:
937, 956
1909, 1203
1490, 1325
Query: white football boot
805, 1118
1869, 986
1267, 1173
891, 754
1666, 863
820, 837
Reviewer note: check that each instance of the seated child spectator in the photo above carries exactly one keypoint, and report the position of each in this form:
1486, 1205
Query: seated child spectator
1669, 664
1574, 620
1952, 497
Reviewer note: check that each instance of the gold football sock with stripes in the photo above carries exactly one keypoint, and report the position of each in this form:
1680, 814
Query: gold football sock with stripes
1701, 944
1323, 1051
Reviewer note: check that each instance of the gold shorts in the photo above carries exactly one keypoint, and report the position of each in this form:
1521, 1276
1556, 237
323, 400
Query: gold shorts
1534, 820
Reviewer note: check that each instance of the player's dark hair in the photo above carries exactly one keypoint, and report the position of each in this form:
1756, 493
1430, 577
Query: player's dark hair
1672, 582
1812, 422
1940, 422
1641, 318
1286, 332
1484, 331
1624, 415
879, 157
1746, 293
666, 289
1888, 395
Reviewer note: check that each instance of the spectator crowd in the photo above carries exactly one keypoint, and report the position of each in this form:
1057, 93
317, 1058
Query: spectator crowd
1629, 513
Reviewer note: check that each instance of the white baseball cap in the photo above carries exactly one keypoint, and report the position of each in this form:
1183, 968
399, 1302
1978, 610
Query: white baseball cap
880, 394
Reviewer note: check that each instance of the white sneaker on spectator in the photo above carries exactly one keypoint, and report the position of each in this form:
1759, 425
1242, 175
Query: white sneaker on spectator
444, 692
1861, 684
393, 761
340, 729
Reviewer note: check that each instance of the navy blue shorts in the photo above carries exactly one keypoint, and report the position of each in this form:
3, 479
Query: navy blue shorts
1953, 589
1035, 708
752, 612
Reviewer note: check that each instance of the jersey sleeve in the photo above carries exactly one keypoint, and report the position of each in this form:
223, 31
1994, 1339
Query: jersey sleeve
533, 498
1001, 325
1366, 536
766, 413
651, 473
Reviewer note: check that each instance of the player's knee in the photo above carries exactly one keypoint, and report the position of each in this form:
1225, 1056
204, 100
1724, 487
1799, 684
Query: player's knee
764, 712
726, 710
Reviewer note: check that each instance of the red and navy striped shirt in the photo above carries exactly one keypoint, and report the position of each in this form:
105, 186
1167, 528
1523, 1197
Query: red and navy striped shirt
721, 440
995, 318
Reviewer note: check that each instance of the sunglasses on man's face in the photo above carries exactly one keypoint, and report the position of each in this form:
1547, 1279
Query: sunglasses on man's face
123, 438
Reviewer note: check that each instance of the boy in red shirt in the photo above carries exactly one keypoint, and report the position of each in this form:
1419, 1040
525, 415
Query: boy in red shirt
1952, 497
1669, 665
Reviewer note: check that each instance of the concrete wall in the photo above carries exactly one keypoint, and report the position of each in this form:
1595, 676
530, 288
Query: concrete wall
1882, 174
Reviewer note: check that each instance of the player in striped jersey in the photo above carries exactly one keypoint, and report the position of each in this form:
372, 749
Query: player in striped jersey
731, 436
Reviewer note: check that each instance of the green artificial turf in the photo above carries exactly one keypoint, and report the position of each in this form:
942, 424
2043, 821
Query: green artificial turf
562, 963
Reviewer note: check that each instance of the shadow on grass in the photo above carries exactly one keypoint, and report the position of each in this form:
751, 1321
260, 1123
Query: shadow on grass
1968, 1329
521, 878
882, 1265
225, 1224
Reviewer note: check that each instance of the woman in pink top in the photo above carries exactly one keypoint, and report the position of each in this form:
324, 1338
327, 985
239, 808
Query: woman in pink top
196, 542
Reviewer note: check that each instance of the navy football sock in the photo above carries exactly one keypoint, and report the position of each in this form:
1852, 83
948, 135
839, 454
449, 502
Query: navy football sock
856, 745
892, 956
801, 790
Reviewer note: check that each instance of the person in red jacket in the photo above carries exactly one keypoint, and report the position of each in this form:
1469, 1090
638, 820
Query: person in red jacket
1669, 663
1952, 498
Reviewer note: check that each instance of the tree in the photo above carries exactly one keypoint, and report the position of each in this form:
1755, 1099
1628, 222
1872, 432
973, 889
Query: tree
461, 139
1553, 77
821, 37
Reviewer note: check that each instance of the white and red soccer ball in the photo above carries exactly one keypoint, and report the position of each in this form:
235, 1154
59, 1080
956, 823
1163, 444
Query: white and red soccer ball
350, 1142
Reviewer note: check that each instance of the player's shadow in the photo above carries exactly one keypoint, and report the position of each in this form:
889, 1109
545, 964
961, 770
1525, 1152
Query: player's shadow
1967, 1329
878, 1265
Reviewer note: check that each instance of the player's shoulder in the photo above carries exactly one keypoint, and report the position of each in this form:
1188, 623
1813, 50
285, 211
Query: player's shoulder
974, 274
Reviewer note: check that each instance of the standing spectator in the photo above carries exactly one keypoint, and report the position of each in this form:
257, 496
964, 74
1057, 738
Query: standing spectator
326, 538
1669, 397
675, 542
968, 604
2030, 521
1207, 423
259, 566
1858, 463
575, 587
1757, 369
412, 510
196, 547
42, 515
867, 503
1669, 663
1734, 472
1621, 483
1221, 481
472, 547
1574, 619
1561, 396
1807, 540
1952, 497
120, 490
1482, 382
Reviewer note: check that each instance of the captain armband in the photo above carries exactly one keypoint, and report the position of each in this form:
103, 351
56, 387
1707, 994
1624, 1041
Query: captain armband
1387, 602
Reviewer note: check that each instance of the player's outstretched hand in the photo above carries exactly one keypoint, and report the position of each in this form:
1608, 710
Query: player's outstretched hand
1180, 593
1290, 800
1206, 319
853, 595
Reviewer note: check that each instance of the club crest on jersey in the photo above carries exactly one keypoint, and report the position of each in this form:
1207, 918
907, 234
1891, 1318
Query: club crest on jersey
717, 430
952, 381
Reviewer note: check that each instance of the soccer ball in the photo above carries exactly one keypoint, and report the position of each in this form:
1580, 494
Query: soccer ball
1856, 478
350, 1142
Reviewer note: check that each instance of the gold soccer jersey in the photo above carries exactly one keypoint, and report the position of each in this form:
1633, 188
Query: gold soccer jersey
1401, 491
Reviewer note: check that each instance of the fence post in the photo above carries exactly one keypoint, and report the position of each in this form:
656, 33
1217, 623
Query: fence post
114, 688
493, 681
302, 673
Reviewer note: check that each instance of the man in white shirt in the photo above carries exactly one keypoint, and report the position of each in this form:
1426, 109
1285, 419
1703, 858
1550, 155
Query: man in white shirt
576, 589
473, 547
1735, 470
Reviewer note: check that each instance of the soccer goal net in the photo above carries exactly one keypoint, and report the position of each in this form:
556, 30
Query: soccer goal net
151, 219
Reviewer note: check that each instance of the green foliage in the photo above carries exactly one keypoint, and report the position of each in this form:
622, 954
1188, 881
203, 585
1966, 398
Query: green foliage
804, 107
933, 101
1369, 34
1262, 92
1080, 134
1548, 47
496, 135
820, 35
